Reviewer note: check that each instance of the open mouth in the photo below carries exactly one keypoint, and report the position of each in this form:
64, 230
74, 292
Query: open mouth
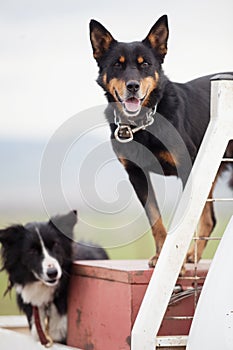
132, 105
50, 283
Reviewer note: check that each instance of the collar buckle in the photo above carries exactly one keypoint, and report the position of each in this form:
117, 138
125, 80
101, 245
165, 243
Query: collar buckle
124, 132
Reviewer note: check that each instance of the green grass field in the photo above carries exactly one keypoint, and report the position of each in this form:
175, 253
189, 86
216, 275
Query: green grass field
8, 303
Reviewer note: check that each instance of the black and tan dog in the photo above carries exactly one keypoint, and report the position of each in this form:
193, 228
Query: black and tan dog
165, 141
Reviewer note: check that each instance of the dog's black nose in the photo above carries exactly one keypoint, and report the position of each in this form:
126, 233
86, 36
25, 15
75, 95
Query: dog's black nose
133, 86
52, 272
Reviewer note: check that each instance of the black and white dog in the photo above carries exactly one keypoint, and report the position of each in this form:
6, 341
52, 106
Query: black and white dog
38, 259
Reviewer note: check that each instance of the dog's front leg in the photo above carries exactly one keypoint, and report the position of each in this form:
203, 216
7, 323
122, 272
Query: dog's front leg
204, 229
141, 182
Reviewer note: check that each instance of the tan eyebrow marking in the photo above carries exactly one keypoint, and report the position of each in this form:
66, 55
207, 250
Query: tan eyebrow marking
140, 59
122, 59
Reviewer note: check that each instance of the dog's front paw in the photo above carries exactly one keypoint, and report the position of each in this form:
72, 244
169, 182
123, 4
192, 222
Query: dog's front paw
182, 271
153, 261
190, 257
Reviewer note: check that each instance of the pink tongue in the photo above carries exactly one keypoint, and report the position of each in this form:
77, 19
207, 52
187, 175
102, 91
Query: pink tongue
132, 104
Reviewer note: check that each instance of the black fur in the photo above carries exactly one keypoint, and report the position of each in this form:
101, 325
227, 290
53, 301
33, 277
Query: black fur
22, 256
132, 77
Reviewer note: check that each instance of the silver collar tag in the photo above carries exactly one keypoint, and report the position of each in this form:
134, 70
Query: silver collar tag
124, 132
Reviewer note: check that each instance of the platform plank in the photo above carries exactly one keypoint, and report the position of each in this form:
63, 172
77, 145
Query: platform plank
13, 340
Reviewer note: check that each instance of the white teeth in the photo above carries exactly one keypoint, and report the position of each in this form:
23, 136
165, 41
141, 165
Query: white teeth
51, 283
129, 113
132, 105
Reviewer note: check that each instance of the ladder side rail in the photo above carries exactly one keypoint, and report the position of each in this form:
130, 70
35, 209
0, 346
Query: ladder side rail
157, 296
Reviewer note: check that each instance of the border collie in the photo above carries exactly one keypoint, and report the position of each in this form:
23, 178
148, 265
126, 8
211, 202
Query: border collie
38, 259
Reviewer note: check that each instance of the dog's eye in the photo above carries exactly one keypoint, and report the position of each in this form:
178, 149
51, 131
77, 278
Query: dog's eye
117, 64
144, 64
34, 251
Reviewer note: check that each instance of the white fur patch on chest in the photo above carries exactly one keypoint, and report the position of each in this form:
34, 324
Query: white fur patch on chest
36, 293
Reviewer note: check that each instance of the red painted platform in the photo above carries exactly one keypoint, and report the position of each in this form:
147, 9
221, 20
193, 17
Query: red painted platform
105, 297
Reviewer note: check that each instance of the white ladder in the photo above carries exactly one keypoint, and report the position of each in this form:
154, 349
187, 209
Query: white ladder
217, 136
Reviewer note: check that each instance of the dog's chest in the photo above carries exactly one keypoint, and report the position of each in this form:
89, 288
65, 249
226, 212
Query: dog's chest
57, 324
36, 293
159, 149
40, 295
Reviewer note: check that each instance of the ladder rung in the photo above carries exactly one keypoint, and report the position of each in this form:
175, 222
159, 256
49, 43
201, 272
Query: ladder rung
219, 200
227, 160
171, 341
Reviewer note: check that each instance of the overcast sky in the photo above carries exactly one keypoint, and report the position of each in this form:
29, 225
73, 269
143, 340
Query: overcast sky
47, 73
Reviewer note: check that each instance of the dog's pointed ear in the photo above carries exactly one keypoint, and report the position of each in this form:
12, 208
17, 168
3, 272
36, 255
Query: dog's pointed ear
101, 39
3, 235
11, 234
65, 223
158, 36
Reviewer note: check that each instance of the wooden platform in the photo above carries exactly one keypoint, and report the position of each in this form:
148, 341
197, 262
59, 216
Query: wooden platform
15, 323
15, 334
105, 297
10, 340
